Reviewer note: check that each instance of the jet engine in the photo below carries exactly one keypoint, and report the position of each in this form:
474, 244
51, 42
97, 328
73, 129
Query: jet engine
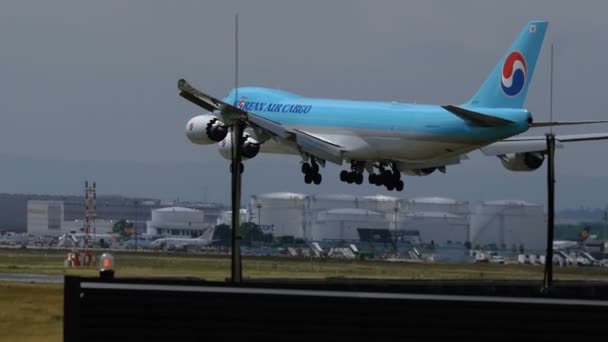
527, 161
420, 172
205, 129
250, 148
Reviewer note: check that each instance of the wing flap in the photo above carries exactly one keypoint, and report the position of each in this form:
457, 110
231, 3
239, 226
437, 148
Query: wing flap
318, 147
270, 126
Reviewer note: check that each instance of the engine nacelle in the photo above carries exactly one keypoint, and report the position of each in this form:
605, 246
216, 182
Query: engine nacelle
419, 172
528, 161
250, 148
205, 129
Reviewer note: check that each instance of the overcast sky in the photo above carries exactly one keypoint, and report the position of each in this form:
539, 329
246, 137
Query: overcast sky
96, 81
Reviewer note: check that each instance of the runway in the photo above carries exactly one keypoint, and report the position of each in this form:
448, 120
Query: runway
31, 278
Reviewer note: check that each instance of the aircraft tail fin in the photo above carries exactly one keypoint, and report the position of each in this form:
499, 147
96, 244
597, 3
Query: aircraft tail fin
584, 233
507, 84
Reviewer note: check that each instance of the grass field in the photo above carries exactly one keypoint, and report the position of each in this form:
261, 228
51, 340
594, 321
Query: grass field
33, 312
218, 267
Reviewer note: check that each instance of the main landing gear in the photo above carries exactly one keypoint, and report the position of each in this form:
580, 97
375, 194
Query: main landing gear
355, 175
311, 173
390, 178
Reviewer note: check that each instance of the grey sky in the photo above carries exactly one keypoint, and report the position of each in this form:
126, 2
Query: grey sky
85, 80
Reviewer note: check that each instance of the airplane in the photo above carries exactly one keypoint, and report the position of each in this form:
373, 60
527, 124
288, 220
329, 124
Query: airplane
386, 139
583, 235
205, 239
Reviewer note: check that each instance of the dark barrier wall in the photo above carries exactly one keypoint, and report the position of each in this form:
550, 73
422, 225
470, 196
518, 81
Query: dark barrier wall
129, 310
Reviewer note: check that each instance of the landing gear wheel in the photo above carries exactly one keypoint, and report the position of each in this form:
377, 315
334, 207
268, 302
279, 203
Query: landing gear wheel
350, 178
317, 178
399, 186
343, 175
242, 168
359, 178
306, 168
315, 167
379, 180
390, 186
387, 176
372, 178
308, 178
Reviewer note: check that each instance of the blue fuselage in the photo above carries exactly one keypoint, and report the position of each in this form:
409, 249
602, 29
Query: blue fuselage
410, 132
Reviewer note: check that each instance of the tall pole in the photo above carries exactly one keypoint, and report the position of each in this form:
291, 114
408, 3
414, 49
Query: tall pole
551, 92
237, 135
548, 276
605, 235
548, 279
135, 224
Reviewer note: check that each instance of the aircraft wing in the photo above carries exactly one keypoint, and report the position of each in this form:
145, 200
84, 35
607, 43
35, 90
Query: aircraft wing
536, 143
307, 142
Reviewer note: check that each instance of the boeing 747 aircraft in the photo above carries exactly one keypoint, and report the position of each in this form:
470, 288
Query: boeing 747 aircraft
387, 139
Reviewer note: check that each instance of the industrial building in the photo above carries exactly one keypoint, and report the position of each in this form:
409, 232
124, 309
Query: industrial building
181, 221
342, 224
509, 224
322, 217
437, 220
58, 217
279, 213
47, 218
435, 227
44, 217
226, 217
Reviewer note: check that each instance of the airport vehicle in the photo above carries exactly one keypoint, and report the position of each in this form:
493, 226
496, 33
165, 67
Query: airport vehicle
387, 139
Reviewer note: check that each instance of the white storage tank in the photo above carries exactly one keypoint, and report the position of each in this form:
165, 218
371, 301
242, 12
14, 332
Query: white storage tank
509, 224
436, 204
279, 213
318, 203
177, 221
332, 201
341, 224
442, 228
380, 203
225, 217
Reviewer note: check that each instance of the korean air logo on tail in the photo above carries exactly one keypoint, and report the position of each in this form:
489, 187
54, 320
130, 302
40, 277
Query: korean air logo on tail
514, 72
